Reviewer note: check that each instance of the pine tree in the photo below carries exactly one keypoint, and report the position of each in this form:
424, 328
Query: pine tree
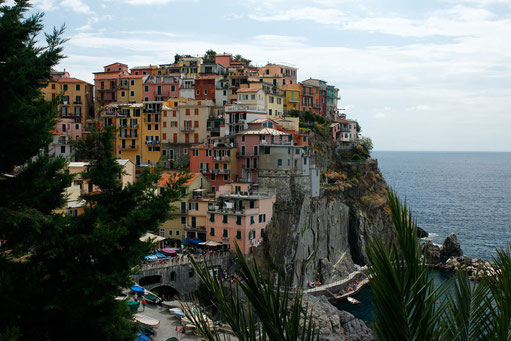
59, 274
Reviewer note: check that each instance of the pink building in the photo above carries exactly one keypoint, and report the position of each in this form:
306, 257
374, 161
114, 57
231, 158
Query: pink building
68, 127
335, 130
240, 215
260, 132
160, 88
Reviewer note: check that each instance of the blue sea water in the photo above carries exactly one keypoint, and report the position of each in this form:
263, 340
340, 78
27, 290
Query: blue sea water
468, 193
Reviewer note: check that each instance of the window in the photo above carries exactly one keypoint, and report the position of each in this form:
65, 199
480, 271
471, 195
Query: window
251, 235
132, 93
212, 219
185, 151
196, 111
279, 162
62, 149
252, 203
53, 86
252, 97
77, 87
177, 233
146, 88
173, 88
242, 138
205, 92
262, 233
238, 220
65, 87
226, 177
170, 232
132, 82
279, 100
123, 93
238, 235
272, 99
243, 150
305, 139
196, 124
212, 231
255, 150
252, 220
148, 127
198, 92
188, 111
226, 233
183, 220
225, 219
156, 127
195, 152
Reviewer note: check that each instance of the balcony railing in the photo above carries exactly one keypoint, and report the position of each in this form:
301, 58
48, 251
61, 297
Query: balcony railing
187, 128
280, 143
129, 147
161, 93
222, 171
122, 87
222, 158
205, 170
77, 103
152, 142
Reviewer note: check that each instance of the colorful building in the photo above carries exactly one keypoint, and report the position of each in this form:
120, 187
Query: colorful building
237, 118
128, 138
174, 228
190, 66
319, 100
151, 133
129, 88
279, 74
160, 88
77, 96
205, 87
240, 216
106, 82
291, 97
216, 159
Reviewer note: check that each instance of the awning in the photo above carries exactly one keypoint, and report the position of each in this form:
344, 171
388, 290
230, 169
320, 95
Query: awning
210, 243
151, 237
192, 241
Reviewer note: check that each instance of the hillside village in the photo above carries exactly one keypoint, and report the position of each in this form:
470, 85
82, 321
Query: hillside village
234, 127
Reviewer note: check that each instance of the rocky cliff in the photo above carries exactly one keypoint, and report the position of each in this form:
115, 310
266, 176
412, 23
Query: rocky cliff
322, 238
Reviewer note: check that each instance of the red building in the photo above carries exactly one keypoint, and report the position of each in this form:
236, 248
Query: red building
216, 160
160, 88
205, 87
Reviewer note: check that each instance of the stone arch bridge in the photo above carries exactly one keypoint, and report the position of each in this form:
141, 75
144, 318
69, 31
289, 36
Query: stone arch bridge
179, 273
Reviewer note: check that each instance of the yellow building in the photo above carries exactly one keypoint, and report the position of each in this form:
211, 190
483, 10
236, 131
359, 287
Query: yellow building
151, 133
183, 212
186, 122
128, 138
274, 104
291, 98
77, 96
130, 89
190, 66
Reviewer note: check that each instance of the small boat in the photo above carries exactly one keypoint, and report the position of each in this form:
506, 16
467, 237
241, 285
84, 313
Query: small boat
148, 331
177, 312
137, 289
142, 337
146, 320
353, 300
151, 298
168, 251
160, 255
133, 306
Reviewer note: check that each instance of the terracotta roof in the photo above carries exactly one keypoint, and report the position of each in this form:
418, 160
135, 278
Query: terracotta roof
248, 90
70, 80
166, 177
55, 132
262, 131
114, 64
107, 75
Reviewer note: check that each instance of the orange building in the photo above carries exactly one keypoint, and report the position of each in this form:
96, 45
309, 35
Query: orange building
106, 83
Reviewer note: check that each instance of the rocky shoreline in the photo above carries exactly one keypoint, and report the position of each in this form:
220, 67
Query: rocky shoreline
449, 257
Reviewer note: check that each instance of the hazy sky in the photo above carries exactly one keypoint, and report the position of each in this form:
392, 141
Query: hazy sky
417, 75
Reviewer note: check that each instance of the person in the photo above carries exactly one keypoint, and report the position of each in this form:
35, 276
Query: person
135, 297
143, 304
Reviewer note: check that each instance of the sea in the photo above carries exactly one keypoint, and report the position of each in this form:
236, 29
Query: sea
468, 193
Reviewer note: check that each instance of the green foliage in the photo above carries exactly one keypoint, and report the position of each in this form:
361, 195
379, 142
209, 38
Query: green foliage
402, 284
59, 274
367, 144
359, 128
209, 56
239, 58
23, 66
269, 312
178, 57
407, 305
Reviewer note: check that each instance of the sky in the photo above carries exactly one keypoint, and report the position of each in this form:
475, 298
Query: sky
417, 75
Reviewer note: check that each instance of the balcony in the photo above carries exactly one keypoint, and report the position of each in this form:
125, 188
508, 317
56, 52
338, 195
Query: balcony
205, 170
187, 128
161, 93
105, 89
65, 102
152, 142
128, 136
77, 103
222, 158
122, 87
278, 143
129, 147
222, 171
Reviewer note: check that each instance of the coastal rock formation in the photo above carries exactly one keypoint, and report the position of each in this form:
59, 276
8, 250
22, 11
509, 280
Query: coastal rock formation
421, 233
439, 255
451, 248
335, 324
322, 238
